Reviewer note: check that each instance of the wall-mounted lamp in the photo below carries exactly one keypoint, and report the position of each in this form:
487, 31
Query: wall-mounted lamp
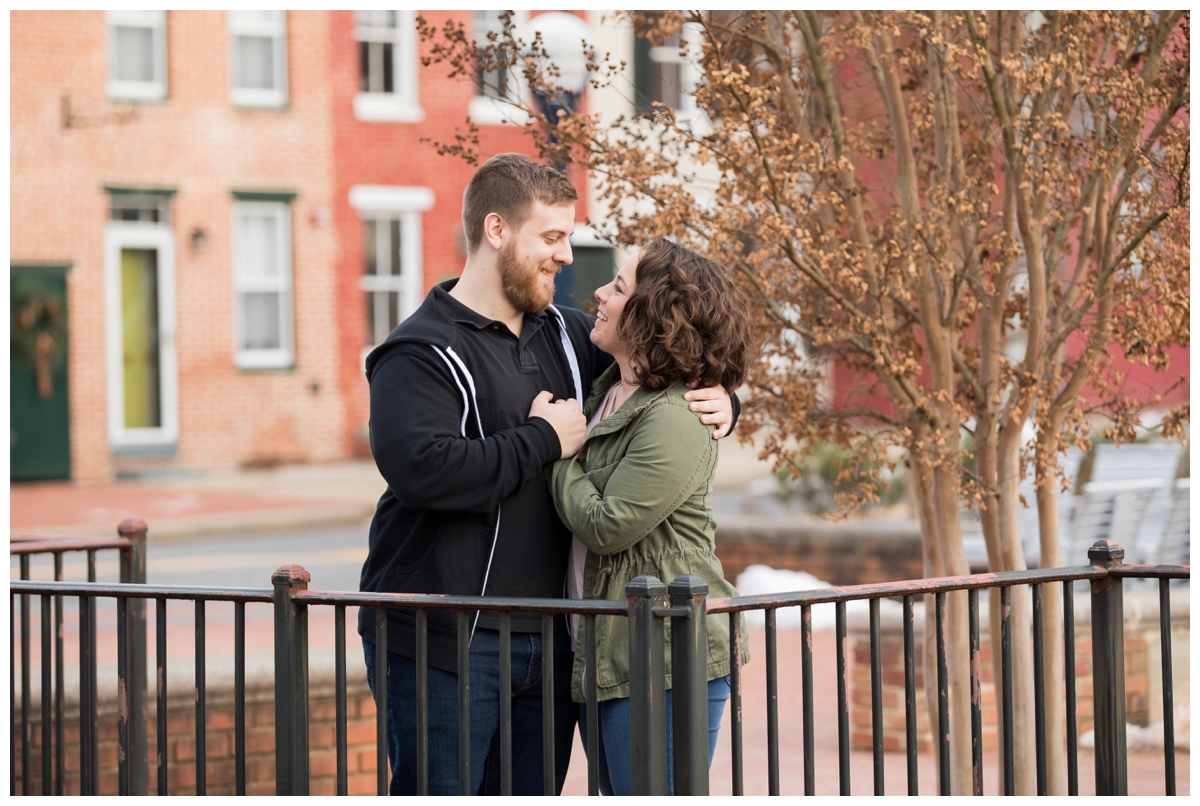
199, 239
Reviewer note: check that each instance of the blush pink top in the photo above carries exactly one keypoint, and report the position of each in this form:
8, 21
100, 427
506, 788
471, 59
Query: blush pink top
578, 556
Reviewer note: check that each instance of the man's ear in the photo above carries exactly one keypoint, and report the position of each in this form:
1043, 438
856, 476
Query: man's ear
494, 228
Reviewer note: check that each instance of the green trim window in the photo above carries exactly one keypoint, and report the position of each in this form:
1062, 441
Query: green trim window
265, 195
262, 279
140, 208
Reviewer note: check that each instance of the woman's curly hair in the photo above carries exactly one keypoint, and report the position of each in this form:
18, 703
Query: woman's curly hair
685, 321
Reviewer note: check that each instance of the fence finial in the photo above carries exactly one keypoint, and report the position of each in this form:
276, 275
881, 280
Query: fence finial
1106, 552
291, 576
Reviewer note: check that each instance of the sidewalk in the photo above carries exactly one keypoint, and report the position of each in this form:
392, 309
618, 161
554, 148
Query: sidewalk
217, 502
249, 500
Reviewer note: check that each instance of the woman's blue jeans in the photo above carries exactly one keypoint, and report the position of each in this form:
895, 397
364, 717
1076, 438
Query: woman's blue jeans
616, 775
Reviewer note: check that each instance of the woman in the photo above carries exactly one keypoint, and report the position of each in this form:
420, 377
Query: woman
636, 495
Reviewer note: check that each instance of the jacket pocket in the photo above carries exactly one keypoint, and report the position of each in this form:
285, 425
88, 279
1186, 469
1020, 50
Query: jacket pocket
451, 535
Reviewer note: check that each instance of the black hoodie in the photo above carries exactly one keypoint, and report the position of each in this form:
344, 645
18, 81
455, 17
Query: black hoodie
467, 510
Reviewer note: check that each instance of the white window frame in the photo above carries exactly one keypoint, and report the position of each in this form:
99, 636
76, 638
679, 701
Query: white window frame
120, 235
403, 104
687, 113
284, 356
155, 89
486, 110
388, 202
275, 97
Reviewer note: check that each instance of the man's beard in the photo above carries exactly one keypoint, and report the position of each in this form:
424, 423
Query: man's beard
522, 285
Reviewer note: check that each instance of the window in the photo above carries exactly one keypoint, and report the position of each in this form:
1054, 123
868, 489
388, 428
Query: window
392, 277
387, 67
493, 87
258, 58
665, 75
262, 282
140, 208
384, 278
137, 55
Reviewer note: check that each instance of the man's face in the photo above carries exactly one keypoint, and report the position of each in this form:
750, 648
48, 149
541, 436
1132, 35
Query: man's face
536, 252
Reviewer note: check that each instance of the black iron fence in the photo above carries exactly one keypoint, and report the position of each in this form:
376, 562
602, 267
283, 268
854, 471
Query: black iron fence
650, 605
131, 544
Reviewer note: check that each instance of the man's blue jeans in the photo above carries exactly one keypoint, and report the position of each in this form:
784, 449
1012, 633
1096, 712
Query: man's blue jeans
442, 697
616, 774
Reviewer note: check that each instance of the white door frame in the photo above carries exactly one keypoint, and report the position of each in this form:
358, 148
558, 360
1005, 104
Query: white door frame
120, 236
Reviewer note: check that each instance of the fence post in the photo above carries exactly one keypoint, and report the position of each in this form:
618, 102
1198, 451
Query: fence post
1108, 670
647, 688
133, 569
291, 682
689, 685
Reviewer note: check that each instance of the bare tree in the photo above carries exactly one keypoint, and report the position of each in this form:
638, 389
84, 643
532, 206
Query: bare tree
965, 211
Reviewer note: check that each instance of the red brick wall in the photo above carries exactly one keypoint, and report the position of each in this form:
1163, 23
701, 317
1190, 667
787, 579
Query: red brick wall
1137, 686
199, 144
220, 770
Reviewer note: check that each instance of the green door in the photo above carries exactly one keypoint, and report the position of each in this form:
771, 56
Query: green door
40, 438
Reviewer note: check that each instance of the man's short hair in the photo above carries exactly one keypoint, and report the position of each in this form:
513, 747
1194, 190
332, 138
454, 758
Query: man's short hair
508, 185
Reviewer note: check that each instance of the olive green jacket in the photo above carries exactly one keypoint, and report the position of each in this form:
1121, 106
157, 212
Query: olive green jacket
637, 495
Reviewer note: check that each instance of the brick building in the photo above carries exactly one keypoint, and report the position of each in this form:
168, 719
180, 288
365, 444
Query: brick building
174, 167
397, 205
192, 196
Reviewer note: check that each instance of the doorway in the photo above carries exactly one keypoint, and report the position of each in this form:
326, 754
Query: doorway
142, 383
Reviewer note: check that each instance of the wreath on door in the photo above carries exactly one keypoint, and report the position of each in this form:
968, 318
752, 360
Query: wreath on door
38, 334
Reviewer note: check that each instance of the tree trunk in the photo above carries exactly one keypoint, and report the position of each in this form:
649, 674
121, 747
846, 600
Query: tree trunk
1052, 640
1021, 626
935, 494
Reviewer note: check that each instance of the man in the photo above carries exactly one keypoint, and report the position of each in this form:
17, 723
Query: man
471, 397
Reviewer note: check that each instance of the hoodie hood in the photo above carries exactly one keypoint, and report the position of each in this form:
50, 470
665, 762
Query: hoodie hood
429, 324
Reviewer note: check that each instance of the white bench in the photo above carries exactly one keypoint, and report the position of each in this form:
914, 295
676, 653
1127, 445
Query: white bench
1174, 547
1109, 509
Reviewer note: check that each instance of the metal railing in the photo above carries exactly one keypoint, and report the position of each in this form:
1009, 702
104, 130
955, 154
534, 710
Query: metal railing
131, 543
648, 610
1107, 627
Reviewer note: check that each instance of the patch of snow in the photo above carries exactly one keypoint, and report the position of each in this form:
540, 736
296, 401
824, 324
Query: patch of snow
1151, 736
760, 579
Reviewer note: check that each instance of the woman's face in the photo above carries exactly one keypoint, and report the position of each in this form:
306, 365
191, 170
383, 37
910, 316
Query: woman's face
612, 298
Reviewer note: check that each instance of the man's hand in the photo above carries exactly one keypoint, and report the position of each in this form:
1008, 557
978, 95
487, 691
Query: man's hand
567, 420
714, 401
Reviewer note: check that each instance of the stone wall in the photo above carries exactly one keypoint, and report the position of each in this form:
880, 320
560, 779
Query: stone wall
845, 553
